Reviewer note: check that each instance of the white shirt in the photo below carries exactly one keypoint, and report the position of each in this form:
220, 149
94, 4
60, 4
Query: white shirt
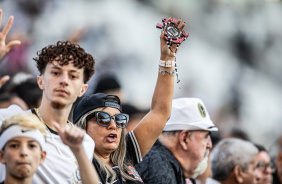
60, 165
211, 181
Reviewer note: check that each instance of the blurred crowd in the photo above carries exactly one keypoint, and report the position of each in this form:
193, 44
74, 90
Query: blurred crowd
231, 60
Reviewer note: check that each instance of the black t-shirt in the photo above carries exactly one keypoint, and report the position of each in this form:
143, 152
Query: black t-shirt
133, 156
159, 166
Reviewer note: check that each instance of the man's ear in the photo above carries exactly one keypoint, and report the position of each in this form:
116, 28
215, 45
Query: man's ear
82, 89
40, 82
238, 174
43, 156
184, 139
2, 160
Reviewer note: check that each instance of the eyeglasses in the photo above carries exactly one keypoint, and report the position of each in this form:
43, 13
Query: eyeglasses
104, 118
262, 166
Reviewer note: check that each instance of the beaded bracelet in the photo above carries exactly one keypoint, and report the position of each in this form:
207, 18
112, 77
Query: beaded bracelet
167, 64
163, 71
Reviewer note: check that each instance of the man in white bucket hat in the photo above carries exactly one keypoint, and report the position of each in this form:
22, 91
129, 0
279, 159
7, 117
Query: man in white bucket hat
183, 147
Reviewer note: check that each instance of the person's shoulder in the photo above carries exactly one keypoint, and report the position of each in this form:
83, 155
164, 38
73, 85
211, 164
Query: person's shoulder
156, 168
158, 150
88, 140
157, 158
89, 145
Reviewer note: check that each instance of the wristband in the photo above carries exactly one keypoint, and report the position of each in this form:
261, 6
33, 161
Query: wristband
163, 71
166, 64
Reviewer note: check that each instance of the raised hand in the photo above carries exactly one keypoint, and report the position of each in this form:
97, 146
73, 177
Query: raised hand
71, 136
4, 48
166, 53
77, 34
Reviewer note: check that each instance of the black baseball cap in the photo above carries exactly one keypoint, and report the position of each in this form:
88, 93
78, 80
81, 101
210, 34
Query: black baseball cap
94, 101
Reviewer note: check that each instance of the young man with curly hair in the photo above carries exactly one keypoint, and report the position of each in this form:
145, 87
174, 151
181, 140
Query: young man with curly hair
64, 70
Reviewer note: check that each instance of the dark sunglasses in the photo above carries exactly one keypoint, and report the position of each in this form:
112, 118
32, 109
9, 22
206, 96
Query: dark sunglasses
104, 118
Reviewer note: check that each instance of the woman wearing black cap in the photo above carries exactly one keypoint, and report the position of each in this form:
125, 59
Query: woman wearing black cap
116, 152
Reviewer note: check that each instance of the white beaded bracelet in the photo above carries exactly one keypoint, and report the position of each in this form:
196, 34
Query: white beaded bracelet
166, 64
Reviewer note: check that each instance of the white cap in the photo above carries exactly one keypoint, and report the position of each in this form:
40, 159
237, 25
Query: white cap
189, 114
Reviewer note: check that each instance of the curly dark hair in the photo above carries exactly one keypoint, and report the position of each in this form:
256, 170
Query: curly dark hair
64, 52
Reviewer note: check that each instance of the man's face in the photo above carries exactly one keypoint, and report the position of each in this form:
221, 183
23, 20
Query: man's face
264, 167
200, 145
61, 85
202, 165
22, 156
252, 174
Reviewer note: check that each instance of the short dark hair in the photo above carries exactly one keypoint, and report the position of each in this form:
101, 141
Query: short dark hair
260, 147
29, 91
107, 82
64, 52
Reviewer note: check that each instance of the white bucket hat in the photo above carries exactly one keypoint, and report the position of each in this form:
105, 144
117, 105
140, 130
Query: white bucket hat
189, 114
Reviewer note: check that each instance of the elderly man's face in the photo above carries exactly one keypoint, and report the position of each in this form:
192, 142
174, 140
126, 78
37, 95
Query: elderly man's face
252, 174
200, 145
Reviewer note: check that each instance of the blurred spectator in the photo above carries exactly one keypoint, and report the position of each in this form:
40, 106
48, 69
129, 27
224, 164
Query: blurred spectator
23, 86
30, 11
3, 80
135, 115
275, 152
237, 133
233, 161
14, 81
16, 60
77, 34
109, 85
5, 85
29, 92
7, 99
264, 165
243, 49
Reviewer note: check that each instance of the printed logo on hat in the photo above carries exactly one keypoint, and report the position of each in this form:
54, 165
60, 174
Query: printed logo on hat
202, 110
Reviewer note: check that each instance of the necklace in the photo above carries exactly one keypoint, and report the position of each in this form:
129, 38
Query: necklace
48, 131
